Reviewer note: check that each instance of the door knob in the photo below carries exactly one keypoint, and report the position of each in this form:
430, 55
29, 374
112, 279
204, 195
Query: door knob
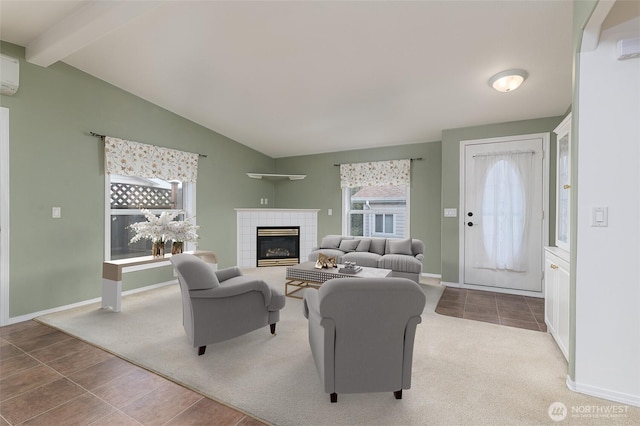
470, 223
470, 214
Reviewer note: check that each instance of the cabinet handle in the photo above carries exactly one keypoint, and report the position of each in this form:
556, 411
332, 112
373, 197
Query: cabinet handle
554, 266
567, 186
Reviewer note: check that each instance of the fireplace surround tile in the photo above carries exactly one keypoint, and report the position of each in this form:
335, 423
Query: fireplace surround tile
248, 221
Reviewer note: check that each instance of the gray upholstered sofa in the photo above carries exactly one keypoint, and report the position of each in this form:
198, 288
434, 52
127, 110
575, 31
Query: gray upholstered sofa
402, 256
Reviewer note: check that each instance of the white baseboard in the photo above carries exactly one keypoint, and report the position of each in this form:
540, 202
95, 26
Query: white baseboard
33, 315
607, 394
428, 275
494, 289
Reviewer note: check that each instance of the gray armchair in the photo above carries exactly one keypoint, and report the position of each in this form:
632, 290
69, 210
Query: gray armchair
220, 305
361, 333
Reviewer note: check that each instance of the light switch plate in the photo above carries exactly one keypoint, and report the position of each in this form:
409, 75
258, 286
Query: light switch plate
600, 216
56, 212
451, 212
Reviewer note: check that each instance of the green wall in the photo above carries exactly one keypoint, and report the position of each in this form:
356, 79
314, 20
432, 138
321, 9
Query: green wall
321, 190
582, 11
451, 178
55, 162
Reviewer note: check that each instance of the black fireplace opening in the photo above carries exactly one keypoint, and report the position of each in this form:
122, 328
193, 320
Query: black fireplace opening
278, 245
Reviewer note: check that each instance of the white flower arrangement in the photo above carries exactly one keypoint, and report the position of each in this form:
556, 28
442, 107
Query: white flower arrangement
183, 230
163, 228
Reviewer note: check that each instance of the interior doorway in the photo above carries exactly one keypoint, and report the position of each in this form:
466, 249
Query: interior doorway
502, 222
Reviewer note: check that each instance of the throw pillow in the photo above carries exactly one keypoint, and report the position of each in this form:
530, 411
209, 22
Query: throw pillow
349, 245
378, 245
364, 245
330, 242
400, 247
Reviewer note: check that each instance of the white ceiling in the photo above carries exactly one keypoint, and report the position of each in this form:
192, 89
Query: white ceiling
304, 77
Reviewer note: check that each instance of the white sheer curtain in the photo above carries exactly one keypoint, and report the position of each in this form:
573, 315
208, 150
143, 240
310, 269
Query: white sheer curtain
129, 158
505, 182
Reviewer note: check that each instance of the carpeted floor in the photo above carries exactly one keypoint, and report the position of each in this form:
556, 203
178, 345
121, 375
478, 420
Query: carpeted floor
464, 372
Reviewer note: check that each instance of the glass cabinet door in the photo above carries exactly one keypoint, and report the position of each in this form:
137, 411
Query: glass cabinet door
563, 179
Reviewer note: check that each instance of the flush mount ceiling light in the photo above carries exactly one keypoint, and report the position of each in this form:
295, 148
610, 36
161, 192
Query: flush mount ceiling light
509, 80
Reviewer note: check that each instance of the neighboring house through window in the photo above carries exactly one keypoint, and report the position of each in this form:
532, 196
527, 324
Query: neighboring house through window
377, 211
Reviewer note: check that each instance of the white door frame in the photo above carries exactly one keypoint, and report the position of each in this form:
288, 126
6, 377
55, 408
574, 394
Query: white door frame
545, 201
4, 216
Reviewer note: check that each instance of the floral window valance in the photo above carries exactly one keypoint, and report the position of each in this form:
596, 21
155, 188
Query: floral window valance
378, 173
129, 158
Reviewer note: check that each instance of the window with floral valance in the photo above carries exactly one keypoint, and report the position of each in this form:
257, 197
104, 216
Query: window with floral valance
140, 176
376, 198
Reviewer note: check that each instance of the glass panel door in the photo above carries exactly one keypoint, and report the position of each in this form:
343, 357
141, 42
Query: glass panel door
563, 186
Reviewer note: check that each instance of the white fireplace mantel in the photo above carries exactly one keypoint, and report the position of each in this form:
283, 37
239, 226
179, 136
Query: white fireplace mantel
249, 219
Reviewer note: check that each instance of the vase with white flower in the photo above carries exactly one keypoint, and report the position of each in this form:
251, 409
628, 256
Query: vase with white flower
182, 231
160, 229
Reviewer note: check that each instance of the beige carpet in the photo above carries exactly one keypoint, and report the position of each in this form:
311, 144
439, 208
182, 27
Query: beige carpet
464, 372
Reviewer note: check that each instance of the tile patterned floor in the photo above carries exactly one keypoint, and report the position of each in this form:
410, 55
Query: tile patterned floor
50, 378
497, 308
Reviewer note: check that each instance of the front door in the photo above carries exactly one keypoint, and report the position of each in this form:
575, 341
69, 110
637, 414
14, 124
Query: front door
503, 213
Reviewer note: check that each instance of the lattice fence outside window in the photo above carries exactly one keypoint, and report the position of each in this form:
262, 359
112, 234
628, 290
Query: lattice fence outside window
128, 196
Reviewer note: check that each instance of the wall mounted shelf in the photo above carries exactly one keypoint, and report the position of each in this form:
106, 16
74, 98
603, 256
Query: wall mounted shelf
274, 176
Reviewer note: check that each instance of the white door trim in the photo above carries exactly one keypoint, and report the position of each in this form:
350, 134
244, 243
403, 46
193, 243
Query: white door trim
4, 216
545, 197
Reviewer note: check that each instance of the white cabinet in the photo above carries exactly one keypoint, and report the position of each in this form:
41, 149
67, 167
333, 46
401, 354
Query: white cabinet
556, 259
556, 296
563, 182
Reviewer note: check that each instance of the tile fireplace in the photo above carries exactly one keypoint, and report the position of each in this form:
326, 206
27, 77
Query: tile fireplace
249, 220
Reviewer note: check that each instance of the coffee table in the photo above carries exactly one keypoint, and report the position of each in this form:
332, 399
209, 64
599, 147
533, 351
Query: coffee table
306, 275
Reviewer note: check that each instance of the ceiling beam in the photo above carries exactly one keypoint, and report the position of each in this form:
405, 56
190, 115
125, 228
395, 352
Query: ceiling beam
83, 27
591, 33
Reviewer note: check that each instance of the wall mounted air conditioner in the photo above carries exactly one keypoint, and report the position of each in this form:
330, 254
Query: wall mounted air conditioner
628, 48
9, 75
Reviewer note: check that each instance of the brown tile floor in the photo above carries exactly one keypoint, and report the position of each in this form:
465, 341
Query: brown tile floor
50, 378
497, 308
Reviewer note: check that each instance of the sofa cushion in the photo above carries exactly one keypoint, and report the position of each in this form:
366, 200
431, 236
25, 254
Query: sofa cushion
400, 247
378, 245
417, 246
400, 262
349, 245
362, 258
330, 242
364, 245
